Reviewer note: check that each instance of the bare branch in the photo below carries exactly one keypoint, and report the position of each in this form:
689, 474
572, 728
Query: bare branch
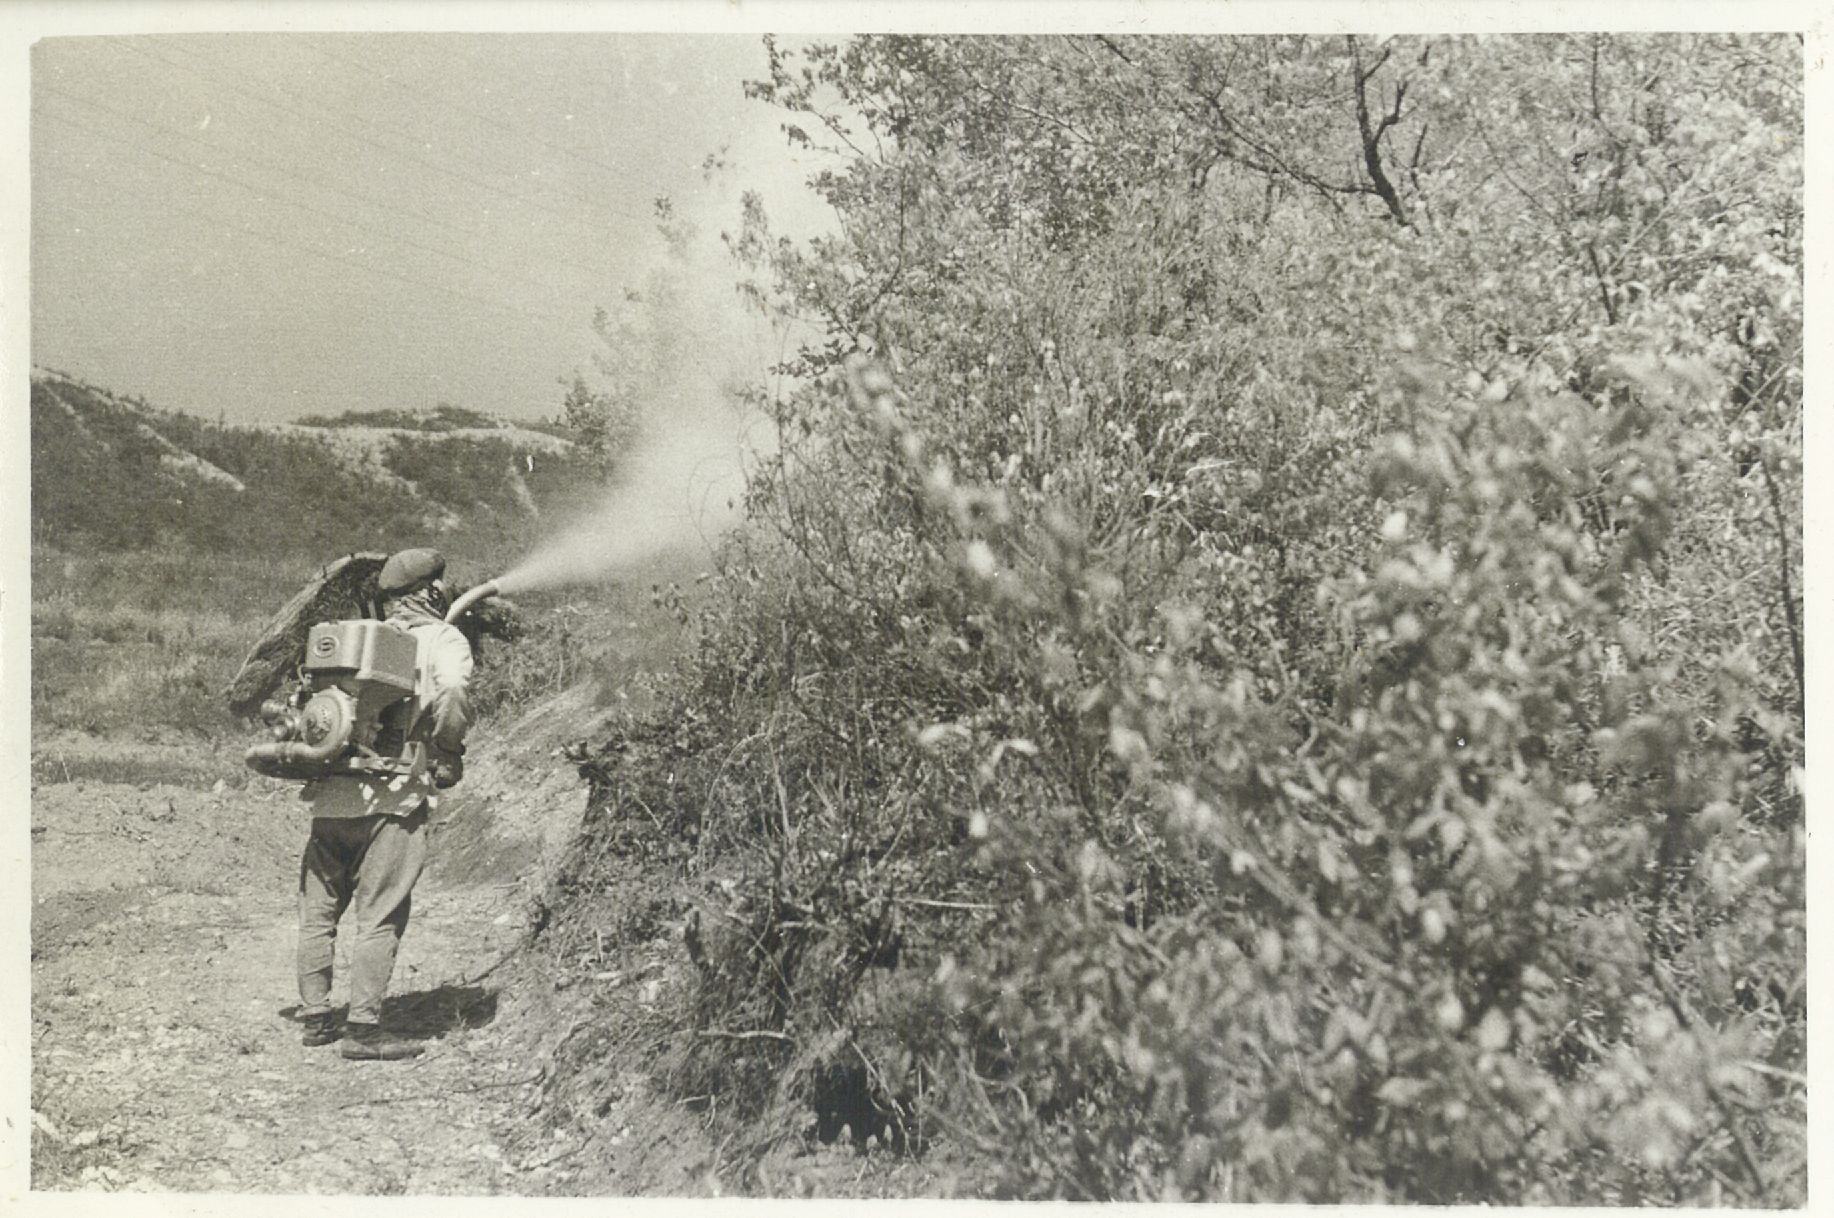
1604, 287
1372, 134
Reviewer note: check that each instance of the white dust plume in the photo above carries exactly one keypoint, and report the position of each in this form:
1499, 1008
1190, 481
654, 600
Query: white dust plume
676, 357
677, 490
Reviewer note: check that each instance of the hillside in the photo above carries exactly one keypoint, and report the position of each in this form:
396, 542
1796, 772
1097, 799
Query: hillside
116, 473
161, 542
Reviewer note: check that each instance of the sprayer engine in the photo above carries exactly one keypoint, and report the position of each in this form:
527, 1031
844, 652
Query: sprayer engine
350, 710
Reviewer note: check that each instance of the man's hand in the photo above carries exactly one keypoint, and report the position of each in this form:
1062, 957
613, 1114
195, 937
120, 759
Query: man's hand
447, 771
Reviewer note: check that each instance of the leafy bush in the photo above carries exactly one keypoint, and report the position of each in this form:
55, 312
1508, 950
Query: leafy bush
1280, 677
1440, 958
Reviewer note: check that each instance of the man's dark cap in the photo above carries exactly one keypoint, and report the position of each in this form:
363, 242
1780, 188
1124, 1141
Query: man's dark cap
410, 570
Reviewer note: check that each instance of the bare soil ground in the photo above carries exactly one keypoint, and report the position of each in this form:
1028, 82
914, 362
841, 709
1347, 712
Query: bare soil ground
164, 1056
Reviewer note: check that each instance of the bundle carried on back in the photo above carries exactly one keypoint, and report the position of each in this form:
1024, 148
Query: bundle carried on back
342, 590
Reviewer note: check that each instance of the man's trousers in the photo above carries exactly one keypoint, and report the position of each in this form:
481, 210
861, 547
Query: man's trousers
366, 865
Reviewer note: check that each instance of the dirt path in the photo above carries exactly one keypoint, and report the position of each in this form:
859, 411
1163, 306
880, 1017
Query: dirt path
164, 1058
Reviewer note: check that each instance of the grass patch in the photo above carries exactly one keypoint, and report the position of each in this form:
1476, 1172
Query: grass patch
117, 764
140, 645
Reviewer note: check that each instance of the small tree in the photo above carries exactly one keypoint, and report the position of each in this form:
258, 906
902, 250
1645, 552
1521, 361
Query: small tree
600, 424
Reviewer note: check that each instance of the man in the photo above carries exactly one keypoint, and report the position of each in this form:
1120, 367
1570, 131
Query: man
369, 832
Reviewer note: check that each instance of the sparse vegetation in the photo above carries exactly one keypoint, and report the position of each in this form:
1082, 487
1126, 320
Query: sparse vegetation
443, 417
140, 644
178, 481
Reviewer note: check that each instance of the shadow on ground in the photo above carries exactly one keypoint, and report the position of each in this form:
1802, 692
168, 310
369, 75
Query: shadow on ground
430, 1014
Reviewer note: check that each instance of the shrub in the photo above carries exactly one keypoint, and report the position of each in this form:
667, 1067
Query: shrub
1271, 685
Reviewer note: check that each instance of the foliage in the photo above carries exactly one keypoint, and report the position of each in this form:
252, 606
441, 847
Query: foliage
489, 481
598, 422
1267, 663
555, 647
443, 417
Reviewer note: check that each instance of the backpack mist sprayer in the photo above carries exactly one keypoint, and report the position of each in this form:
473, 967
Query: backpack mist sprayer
353, 704
351, 709
471, 598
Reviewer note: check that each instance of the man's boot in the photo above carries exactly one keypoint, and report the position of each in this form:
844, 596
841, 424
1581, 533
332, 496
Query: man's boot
368, 1042
320, 1029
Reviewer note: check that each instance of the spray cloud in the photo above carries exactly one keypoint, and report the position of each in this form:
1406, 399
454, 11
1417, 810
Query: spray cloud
675, 359
677, 489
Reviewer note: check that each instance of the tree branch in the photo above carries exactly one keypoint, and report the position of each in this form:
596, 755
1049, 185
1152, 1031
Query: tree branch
1604, 288
1372, 133
1748, 1158
1786, 585
1265, 160
1114, 49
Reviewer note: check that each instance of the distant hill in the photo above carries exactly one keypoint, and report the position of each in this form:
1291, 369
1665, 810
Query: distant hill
443, 417
113, 472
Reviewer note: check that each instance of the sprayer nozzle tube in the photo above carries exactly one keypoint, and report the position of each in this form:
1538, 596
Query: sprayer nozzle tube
470, 598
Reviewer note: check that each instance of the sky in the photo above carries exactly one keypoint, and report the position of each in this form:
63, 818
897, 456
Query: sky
256, 226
